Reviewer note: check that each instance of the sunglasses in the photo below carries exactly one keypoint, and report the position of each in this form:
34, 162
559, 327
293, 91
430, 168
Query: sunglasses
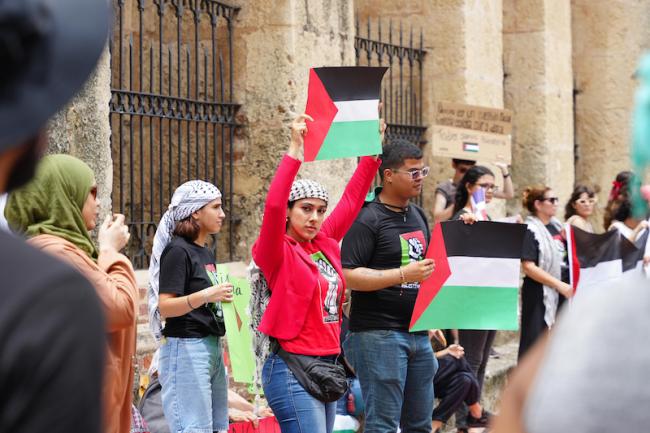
487, 186
93, 191
552, 200
415, 173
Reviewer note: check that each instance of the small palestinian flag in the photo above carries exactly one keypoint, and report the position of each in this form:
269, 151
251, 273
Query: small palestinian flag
595, 260
479, 205
344, 103
476, 281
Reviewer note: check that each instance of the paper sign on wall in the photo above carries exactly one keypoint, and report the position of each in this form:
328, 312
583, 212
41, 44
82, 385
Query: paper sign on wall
472, 132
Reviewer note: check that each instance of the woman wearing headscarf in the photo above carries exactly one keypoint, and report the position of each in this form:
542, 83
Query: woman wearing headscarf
56, 211
299, 255
541, 260
184, 291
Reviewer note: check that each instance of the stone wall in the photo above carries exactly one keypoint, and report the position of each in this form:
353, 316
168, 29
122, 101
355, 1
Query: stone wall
275, 45
81, 129
538, 88
608, 38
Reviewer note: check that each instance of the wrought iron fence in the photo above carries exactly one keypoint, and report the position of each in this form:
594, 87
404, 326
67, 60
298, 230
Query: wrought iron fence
172, 110
402, 85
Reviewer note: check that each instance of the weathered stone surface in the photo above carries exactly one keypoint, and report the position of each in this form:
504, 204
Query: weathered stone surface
275, 45
608, 38
538, 88
81, 129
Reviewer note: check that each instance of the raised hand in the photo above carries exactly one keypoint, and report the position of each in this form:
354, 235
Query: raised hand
298, 131
113, 233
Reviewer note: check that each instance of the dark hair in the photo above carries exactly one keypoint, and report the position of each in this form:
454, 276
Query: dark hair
469, 178
187, 228
618, 205
457, 161
396, 152
569, 210
531, 195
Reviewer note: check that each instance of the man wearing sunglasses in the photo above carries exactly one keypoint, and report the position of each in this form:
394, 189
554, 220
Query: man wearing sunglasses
383, 260
443, 206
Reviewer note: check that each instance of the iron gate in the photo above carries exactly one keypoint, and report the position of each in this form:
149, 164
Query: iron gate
172, 110
402, 85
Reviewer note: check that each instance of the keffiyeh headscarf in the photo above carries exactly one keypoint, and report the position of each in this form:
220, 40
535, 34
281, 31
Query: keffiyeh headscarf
187, 199
305, 188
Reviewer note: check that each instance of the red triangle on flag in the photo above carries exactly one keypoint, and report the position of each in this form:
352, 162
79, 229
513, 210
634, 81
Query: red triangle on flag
430, 287
323, 110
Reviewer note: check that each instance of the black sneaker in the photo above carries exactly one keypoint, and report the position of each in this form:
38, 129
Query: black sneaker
483, 421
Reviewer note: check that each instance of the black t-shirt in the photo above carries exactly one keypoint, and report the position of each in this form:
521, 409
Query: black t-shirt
383, 239
186, 268
52, 344
530, 250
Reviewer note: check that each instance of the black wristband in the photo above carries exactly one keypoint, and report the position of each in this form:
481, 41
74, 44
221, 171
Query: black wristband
506, 175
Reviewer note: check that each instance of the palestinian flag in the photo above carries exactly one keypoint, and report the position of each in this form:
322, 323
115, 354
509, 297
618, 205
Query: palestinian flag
595, 260
344, 103
476, 281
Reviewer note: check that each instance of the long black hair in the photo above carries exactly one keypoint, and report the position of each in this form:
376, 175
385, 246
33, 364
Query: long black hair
569, 210
470, 178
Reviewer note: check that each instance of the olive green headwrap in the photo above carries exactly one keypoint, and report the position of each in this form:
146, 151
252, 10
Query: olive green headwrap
52, 202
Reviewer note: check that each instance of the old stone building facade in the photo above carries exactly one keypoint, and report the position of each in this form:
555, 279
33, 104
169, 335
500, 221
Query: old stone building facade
564, 68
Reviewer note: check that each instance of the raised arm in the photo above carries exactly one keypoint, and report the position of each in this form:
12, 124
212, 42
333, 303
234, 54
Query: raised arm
339, 221
268, 251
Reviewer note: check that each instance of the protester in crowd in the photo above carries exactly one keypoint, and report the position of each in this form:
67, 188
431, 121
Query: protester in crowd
455, 383
579, 208
51, 323
383, 260
542, 258
298, 253
561, 380
443, 208
477, 344
185, 292
56, 211
618, 212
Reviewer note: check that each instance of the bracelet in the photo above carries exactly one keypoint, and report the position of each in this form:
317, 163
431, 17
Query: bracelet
205, 297
401, 275
187, 298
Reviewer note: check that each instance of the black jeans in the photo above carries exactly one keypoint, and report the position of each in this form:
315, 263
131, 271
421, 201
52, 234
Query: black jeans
455, 384
477, 345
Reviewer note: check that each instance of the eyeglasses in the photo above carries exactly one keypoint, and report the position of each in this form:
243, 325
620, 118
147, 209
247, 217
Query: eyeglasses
584, 201
552, 200
415, 173
487, 186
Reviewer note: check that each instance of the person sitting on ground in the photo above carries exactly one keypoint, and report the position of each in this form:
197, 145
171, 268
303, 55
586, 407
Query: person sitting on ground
56, 211
618, 212
579, 208
443, 208
455, 384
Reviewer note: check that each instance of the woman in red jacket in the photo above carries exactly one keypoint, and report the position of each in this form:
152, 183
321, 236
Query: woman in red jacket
298, 252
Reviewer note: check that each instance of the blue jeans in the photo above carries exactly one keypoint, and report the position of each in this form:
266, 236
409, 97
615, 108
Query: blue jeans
294, 408
396, 372
194, 385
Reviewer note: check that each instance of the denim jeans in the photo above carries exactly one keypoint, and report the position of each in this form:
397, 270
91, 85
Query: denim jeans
294, 408
194, 385
396, 372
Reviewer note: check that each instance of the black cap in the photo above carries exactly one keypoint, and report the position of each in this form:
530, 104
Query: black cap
48, 48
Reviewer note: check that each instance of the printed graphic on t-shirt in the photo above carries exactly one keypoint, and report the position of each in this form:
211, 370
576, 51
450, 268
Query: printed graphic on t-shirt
215, 307
413, 250
331, 303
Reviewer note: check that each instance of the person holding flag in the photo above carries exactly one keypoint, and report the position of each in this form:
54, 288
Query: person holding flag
299, 255
384, 262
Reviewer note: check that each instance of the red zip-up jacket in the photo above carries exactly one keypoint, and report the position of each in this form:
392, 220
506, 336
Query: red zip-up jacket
291, 273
